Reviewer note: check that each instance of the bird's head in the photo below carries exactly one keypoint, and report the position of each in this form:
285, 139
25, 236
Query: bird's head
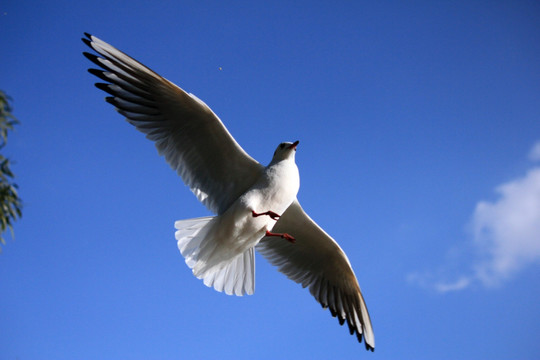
285, 150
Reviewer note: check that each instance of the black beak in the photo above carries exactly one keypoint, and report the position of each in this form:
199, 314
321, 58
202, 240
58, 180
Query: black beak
294, 144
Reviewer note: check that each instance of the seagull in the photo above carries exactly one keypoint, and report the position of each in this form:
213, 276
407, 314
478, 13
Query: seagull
255, 205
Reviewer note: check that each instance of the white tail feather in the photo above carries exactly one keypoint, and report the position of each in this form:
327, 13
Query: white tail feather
235, 276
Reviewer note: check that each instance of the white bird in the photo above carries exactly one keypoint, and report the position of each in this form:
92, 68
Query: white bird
256, 206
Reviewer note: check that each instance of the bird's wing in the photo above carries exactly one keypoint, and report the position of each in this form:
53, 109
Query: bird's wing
192, 138
316, 261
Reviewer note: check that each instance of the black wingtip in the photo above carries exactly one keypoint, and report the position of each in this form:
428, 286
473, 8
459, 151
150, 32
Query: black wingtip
106, 88
103, 86
368, 347
110, 100
351, 327
99, 73
93, 58
87, 42
95, 72
89, 56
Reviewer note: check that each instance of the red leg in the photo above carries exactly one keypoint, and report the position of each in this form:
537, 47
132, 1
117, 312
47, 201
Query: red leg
285, 236
272, 214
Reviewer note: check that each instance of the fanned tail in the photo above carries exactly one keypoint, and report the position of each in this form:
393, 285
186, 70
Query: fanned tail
235, 276
190, 234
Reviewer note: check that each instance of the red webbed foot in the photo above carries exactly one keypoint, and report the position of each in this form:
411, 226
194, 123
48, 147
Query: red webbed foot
272, 214
285, 236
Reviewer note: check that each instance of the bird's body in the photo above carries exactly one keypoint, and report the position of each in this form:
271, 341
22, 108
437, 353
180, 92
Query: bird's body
255, 206
214, 249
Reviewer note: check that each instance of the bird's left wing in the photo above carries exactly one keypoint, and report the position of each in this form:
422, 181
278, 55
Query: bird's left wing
316, 261
192, 138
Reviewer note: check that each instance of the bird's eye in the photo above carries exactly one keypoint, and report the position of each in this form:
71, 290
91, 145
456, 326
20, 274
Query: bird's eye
281, 146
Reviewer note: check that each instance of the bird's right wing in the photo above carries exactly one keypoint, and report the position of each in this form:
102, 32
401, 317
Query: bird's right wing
192, 138
316, 261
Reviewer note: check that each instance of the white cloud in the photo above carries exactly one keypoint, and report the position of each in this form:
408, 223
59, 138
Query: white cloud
508, 230
505, 232
459, 284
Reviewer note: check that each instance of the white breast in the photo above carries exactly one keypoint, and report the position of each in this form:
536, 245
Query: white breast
275, 190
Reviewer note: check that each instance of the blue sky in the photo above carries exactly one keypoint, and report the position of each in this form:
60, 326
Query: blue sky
419, 131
